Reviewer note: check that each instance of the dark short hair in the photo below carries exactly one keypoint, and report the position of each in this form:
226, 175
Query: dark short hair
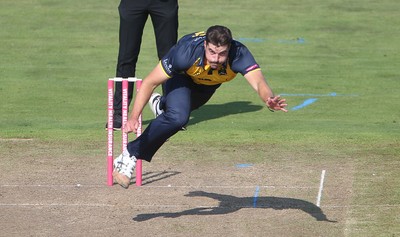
219, 35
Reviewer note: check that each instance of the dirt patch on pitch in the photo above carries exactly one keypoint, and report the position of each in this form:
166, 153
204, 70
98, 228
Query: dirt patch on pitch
51, 189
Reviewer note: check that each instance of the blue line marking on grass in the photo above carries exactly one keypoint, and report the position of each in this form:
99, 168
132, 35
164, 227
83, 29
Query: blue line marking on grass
312, 100
292, 41
243, 165
253, 40
305, 103
332, 94
256, 196
298, 40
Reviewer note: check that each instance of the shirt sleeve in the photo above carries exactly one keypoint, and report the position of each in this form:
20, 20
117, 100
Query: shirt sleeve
181, 56
243, 61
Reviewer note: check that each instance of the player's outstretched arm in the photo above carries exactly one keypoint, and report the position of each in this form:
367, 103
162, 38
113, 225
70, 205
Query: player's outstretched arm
257, 81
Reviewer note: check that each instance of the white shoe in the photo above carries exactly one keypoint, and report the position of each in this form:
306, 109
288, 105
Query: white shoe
123, 168
154, 104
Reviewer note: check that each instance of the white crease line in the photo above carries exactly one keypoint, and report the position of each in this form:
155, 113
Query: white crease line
55, 204
50, 186
15, 139
321, 187
147, 186
178, 206
99, 205
362, 205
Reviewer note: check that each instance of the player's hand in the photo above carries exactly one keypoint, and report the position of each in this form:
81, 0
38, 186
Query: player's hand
131, 125
276, 103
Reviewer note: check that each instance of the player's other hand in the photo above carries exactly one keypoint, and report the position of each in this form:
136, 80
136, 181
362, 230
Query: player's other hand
276, 103
131, 126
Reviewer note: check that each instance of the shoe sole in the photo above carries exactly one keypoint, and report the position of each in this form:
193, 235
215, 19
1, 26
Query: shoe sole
121, 179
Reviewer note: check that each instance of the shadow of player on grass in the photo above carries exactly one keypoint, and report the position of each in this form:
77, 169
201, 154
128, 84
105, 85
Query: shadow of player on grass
229, 204
214, 111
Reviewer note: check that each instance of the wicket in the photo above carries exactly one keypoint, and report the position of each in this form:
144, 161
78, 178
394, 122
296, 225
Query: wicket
110, 126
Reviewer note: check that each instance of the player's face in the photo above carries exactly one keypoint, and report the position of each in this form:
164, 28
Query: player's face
216, 55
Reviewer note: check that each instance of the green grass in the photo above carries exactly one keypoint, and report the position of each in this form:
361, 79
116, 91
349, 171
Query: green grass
57, 55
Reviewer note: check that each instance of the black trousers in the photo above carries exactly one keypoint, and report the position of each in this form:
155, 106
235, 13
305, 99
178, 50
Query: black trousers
133, 17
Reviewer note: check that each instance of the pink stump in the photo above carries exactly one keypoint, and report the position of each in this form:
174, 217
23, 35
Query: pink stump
139, 132
124, 112
110, 131
110, 126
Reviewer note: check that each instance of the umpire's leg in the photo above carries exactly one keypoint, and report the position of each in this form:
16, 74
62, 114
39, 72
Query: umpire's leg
133, 16
164, 16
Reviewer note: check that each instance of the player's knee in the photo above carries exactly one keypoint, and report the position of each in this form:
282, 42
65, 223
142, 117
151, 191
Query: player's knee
178, 120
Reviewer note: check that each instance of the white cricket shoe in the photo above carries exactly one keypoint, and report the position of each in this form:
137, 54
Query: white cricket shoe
154, 104
123, 168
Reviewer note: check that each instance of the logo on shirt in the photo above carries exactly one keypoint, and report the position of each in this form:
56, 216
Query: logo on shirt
222, 71
167, 66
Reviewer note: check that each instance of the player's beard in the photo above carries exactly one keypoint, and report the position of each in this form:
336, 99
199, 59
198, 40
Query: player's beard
214, 65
